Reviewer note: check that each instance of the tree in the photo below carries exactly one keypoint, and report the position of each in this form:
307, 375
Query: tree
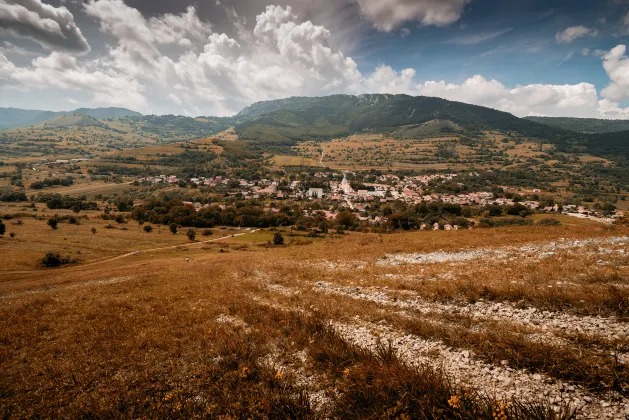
278, 239
191, 234
3, 229
93, 231
148, 228
52, 222
173, 228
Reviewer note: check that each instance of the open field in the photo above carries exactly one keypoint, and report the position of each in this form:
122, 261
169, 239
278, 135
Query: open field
523, 321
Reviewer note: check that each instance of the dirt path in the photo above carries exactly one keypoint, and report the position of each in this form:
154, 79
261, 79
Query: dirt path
132, 253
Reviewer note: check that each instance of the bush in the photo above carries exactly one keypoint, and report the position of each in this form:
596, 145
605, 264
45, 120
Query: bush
93, 231
148, 228
278, 239
12, 234
52, 222
208, 232
54, 259
549, 222
3, 229
173, 228
191, 234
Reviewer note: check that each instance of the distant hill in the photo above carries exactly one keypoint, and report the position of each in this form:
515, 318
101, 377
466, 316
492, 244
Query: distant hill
68, 120
104, 113
287, 121
583, 125
15, 117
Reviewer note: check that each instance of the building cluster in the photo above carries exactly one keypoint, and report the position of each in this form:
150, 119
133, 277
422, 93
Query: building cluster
387, 188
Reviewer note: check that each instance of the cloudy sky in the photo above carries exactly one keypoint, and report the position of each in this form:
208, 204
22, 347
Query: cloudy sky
213, 57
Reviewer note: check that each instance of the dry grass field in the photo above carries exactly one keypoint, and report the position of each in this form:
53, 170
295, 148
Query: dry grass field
511, 323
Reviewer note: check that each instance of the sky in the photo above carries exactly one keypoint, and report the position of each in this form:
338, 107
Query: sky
215, 57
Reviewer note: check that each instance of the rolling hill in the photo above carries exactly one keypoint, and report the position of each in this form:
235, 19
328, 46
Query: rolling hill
15, 117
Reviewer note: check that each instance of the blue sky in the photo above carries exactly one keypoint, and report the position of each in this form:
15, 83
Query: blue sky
196, 57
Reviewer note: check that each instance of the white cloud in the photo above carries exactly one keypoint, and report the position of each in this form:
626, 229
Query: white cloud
579, 100
404, 32
616, 64
568, 35
61, 70
389, 14
51, 27
387, 80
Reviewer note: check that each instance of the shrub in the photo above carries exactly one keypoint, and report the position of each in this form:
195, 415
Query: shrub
208, 232
278, 239
191, 234
54, 259
148, 228
12, 234
93, 231
53, 222
3, 229
549, 222
173, 228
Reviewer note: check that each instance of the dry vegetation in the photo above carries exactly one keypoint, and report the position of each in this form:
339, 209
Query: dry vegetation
498, 323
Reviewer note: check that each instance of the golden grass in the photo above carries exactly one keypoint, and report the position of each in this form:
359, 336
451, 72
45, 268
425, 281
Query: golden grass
141, 336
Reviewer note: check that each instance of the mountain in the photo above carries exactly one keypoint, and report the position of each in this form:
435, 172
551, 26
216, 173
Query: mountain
288, 121
584, 125
15, 117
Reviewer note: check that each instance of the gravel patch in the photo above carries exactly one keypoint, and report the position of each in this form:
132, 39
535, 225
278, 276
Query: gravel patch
539, 251
502, 382
544, 320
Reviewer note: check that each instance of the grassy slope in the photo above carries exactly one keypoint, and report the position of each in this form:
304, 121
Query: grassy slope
156, 336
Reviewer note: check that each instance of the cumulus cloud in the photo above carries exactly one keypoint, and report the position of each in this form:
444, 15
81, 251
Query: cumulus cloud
568, 35
211, 74
389, 14
580, 100
616, 64
51, 27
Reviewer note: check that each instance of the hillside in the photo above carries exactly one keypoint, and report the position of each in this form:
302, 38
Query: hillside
292, 120
583, 125
68, 120
15, 117
105, 113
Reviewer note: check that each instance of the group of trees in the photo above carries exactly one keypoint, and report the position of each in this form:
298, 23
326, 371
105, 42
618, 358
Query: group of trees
50, 182
58, 201
175, 212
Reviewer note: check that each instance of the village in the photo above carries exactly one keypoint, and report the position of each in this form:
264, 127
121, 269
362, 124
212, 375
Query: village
336, 194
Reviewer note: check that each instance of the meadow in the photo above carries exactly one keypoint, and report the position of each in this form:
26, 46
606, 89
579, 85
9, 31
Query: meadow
517, 322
